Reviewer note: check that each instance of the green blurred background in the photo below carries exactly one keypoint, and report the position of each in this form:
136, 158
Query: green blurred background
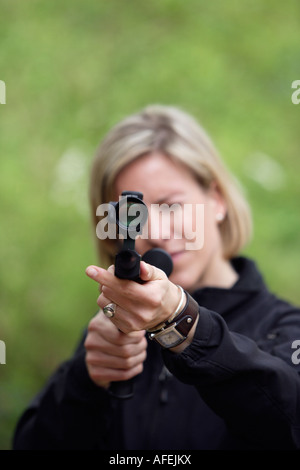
74, 68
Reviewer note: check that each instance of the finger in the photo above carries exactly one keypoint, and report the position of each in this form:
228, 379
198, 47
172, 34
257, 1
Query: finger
116, 344
125, 298
107, 277
103, 329
151, 273
98, 274
93, 272
103, 376
111, 269
117, 286
97, 359
102, 301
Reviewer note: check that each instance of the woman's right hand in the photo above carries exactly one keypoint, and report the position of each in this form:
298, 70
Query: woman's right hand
112, 355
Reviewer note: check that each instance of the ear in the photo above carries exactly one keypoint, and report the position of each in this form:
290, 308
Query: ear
218, 201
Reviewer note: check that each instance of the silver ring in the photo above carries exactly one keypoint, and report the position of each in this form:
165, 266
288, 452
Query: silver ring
109, 310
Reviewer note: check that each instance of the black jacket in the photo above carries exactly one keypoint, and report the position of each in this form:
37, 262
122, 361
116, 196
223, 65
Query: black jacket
234, 387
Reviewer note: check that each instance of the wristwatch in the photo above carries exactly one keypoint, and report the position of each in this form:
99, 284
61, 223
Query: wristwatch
177, 331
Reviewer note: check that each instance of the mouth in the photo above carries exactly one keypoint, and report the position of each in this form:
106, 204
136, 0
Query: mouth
176, 255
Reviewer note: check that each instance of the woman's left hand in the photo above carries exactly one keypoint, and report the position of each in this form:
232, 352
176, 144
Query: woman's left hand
138, 306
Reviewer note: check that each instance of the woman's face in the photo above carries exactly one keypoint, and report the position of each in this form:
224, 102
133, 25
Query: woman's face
190, 232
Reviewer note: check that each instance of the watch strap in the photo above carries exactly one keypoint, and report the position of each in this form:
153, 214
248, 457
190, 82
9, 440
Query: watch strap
186, 319
190, 309
183, 323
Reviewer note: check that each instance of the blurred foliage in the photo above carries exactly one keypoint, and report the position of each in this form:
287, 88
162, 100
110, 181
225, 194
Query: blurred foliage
72, 69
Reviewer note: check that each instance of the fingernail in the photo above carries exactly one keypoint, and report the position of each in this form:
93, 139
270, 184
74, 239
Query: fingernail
92, 272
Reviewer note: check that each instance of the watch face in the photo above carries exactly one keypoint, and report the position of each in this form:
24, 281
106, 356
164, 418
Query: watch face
169, 339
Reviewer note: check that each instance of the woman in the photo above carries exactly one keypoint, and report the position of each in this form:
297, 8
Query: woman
209, 348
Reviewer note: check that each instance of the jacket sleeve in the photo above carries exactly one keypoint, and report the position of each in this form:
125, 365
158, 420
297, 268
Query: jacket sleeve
70, 412
254, 388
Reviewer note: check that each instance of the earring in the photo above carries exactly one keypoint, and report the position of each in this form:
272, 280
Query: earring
220, 216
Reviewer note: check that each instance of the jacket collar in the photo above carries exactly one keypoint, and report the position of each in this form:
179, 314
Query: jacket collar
222, 300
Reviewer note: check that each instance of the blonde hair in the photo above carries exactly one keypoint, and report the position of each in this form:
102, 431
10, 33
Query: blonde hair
173, 132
